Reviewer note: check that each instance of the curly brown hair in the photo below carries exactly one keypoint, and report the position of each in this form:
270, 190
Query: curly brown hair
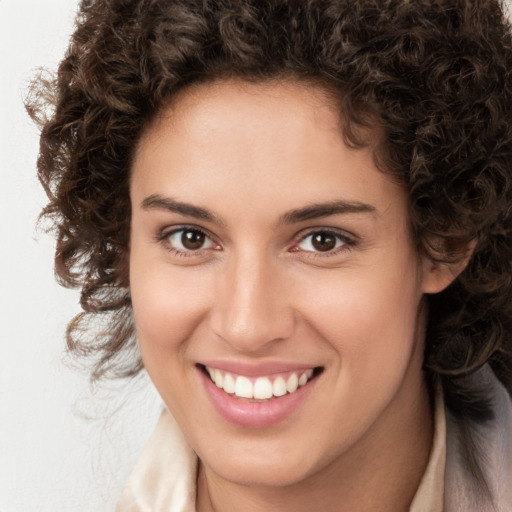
434, 75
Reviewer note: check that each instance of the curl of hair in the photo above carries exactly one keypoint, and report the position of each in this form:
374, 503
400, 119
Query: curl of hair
434, 75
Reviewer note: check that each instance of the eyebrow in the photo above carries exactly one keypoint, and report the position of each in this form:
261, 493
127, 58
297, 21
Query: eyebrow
158, 202
314, 211
319, 210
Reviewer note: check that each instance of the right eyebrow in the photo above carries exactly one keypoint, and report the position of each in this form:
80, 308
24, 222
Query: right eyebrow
158, 202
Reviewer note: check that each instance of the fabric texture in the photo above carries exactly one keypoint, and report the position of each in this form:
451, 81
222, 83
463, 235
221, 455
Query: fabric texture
430, 494
494, 440
164, 479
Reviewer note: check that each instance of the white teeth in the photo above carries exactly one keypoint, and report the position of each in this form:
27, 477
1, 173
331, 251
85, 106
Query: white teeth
292, 383
303, 379
229, 384
243, 387
218, 378
262, 388
279, 387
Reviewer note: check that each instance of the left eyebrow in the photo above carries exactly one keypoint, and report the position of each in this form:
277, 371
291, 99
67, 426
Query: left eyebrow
319, 210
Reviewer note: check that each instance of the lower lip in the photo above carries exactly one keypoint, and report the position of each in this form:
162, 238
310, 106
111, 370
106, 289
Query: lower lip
255, 414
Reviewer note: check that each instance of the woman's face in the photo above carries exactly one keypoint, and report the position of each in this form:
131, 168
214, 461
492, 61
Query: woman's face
265, 251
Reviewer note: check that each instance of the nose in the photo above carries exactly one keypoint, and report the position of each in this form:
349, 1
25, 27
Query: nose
252, 310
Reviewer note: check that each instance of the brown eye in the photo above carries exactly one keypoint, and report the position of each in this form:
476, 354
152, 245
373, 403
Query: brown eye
192, 239
188, 240
323, 242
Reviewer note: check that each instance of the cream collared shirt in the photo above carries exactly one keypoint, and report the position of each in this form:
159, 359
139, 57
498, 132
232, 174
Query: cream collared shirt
164, 479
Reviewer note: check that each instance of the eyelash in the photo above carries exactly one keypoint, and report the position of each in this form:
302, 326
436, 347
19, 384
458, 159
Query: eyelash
346, 241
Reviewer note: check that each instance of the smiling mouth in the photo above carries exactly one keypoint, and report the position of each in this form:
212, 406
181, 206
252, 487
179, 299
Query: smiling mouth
262, 388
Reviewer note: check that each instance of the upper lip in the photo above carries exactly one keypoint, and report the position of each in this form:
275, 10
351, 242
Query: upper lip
256, 369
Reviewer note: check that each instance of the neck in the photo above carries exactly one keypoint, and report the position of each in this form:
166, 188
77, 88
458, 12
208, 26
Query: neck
381, 474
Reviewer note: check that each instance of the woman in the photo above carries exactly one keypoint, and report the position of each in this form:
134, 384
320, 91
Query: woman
299, 215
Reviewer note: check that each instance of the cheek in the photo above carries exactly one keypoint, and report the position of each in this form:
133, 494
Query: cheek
167, 307
370, 327
368, 318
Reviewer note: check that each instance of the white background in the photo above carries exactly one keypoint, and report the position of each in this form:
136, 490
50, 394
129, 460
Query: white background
62, 447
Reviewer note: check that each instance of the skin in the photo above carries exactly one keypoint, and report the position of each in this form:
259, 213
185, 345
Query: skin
258, 290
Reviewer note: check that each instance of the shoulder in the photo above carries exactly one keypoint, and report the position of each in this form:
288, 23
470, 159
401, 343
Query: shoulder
487, 445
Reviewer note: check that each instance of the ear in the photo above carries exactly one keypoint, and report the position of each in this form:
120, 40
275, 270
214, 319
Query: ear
438, 275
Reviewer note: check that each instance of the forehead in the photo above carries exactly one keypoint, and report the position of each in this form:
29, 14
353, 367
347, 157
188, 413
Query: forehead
275, 142
243, 108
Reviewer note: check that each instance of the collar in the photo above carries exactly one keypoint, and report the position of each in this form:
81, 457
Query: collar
164, 478
430, 494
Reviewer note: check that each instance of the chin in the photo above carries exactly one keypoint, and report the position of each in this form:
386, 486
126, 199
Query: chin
262, 466
272, 473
